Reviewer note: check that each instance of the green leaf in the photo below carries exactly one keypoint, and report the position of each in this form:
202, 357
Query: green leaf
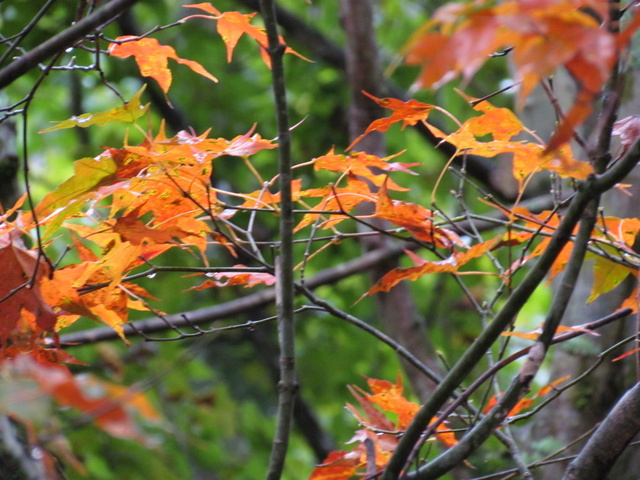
607, 275
89, 174
127, 113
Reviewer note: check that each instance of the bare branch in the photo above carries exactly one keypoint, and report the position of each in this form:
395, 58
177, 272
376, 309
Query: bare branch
63, 40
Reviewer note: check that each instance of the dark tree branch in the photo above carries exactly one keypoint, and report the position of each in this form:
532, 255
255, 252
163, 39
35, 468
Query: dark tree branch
16, 460
363, 73
63, 40
304, 34
590, 188
25, 31
610, 439
520, 385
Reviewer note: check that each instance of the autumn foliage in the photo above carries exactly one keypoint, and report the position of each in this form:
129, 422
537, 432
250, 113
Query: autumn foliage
123, 209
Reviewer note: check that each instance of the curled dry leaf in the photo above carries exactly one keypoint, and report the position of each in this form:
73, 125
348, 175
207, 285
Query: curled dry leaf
628, 129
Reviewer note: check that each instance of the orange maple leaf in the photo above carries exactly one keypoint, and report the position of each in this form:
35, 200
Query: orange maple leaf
334, 199
543, 223
371, 167
534, 334
385, 397
409, 113
94, 288
502, 124
416, 219
623, 230
23, 310
152, 58
544, 36
337, 466
389, 398
231, 27
525, 403
423, 267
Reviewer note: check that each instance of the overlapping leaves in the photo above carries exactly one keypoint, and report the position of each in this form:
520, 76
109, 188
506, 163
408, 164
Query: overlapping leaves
130, 204
384, 414
543, 36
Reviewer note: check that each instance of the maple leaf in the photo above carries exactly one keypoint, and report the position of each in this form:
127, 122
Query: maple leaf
385, 397
152, 58
543, 35
372, 418
389, 397
626, 354
248, 279
109, 408
95, 288
617, 234
176, 220
525, 403
534, 334
531, 158
131, 229
23, 310
623, 230
365, 165
128, 397
528, 157
337, 466
544, 223
121, 171
128, 113
423, 267
334, 199
263, 198
66, 200
232, 25
409, 113
166, 180
248, 144
416, 219
607, 275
